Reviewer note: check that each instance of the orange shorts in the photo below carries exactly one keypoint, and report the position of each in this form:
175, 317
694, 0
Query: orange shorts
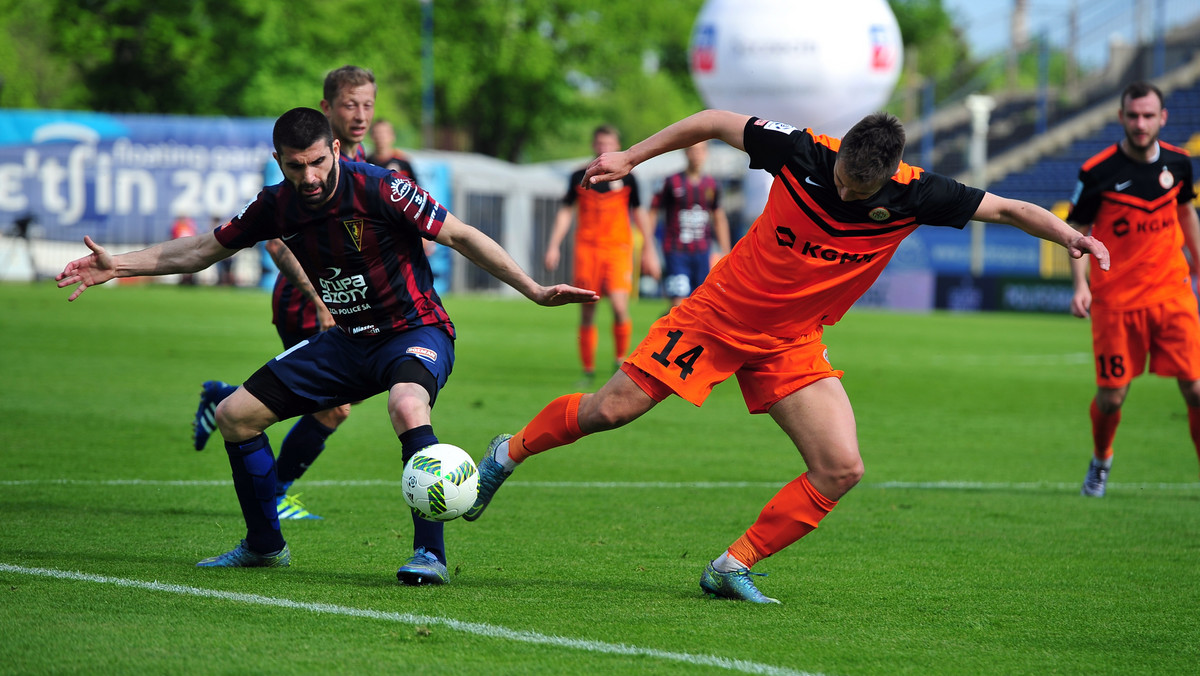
605, 270
690, 350
1168, 332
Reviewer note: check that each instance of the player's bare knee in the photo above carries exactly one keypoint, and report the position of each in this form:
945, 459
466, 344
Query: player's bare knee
1110, 401
333, 417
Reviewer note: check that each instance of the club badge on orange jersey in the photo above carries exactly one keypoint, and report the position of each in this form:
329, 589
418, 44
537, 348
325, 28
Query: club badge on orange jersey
1166, 179
879, 214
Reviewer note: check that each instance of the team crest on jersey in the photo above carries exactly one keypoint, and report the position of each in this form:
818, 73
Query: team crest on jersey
355, 228
1166, 179
879, 214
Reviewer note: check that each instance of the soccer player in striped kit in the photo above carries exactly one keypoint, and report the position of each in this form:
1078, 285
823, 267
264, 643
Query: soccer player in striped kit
296, 309
691, 204
357, 231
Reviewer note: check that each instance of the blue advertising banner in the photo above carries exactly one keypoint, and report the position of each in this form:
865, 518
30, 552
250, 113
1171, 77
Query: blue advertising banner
124, 178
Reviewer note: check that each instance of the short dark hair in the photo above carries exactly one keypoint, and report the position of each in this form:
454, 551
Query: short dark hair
346, 76
871, 151
1137, 90
607, 129
299, 128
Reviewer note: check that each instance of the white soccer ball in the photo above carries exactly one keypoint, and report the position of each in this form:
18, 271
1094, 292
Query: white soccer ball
440, 482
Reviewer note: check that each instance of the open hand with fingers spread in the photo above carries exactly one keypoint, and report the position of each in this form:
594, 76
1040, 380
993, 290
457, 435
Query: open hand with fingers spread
95, 268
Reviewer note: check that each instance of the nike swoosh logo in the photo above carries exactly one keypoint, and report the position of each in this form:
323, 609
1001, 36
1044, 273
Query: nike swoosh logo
287, 237
808, 180
1122, 186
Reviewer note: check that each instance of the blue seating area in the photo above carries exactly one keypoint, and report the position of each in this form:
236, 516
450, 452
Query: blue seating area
1051, 180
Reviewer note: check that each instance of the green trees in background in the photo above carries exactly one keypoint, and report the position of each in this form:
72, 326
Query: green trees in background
516, 79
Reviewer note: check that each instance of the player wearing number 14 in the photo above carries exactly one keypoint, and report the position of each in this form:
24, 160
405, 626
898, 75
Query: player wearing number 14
837, 211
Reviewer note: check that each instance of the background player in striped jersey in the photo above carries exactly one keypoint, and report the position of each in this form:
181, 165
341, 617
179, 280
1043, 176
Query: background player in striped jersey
836, 213
691, 205
356, 229
604, 248
1136, 197
296, 309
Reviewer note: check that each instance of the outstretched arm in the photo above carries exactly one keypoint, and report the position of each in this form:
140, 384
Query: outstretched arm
186, 254
704, 125
489, 255
290, 268
1040, 223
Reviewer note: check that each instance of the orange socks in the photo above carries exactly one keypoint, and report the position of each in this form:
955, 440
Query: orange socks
556, 425
1104, 430
587, 348
621, 334
793, 513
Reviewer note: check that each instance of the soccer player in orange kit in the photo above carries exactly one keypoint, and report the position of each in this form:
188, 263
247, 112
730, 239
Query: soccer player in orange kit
604, 248
1136, 197
837, 211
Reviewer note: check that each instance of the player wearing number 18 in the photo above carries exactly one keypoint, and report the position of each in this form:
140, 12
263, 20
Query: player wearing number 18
1136, 197
836, 213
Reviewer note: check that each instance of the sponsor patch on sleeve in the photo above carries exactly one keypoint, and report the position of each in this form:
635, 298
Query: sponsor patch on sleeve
781, 127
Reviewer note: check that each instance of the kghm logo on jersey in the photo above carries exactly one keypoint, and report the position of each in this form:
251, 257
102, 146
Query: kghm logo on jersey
355, 228
879, 214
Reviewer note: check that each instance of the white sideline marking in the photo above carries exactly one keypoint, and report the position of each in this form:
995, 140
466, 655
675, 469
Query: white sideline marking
476, 628
915, 485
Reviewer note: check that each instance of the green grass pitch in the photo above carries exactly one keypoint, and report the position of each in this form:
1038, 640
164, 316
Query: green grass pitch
966, 549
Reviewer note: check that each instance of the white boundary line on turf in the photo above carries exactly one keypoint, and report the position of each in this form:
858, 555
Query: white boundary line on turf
476, 628
916, 485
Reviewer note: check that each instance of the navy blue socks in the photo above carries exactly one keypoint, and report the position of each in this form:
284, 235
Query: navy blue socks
253, 468
427, 534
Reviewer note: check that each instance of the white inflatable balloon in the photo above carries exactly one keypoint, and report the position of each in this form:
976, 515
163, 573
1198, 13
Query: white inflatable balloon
812, 63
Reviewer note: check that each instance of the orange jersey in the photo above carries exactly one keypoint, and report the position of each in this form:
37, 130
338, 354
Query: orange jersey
810, 255
1132, 207
603, 216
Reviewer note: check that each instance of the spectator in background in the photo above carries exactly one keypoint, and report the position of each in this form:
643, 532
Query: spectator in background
1136, 197
604, 248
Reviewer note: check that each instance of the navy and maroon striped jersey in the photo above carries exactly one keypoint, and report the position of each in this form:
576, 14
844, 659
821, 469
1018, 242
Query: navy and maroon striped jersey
362, 250
689, 209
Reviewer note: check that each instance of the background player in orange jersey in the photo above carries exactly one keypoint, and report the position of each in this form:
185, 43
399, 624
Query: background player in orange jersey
691, 205
1136, 197
603, 247
836, 213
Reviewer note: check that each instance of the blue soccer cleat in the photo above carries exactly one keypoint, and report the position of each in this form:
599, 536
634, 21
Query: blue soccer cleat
205, 422
1095, 481
289, 507
422, 569
736, 585
491, 475
244, 557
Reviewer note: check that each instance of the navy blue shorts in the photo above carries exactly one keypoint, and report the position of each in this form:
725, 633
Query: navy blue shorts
290, 338
684, 272
331, 368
